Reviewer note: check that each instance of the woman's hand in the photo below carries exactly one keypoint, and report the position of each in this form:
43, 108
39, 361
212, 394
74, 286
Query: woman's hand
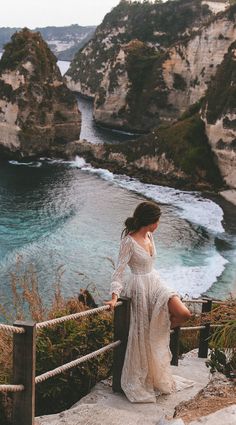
112, 302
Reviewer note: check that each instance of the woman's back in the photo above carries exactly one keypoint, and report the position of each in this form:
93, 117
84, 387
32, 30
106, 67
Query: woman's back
141, 262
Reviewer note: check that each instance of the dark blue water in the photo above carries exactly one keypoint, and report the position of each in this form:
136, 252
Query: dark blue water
67, 216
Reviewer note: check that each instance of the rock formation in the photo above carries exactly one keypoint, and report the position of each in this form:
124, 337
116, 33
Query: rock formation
63, 41
219, 114
176, 81
176, 155
38, 113
144, 66
209, 401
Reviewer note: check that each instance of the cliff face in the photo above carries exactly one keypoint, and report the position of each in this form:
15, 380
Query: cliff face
176, 155
191, 65
63, 41
155, 24
144, 66
38, 113
219, 114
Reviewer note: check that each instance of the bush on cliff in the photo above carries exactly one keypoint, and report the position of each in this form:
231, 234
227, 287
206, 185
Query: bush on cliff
56, 346
223, 341
63, 343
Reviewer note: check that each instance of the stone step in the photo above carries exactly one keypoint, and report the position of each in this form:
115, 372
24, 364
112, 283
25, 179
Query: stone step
103, 406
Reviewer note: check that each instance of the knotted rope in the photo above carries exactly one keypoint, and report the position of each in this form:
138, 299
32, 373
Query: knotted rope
74, 316
76, 362
11, 388
12, 329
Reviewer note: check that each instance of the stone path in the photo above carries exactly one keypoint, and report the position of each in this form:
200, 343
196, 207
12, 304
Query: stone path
103, 407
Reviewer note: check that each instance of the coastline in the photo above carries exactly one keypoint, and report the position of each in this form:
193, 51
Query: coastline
229, 195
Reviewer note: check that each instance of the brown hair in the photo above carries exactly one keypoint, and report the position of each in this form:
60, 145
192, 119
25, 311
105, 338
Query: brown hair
147, 212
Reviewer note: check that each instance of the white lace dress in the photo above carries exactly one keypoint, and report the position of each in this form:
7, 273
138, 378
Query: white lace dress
146, 371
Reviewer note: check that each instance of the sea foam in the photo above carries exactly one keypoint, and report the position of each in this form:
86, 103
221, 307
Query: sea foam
189, 205
194, 280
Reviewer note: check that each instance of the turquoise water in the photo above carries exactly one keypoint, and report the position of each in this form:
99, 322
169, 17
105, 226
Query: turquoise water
57, 214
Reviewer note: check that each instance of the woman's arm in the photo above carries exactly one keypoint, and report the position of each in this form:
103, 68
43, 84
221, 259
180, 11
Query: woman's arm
124, 256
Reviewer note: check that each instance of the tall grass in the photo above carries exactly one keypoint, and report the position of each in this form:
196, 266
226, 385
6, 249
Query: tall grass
65, 342
55, 346
223, 340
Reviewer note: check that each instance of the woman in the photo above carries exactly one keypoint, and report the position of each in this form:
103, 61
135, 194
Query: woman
154, 309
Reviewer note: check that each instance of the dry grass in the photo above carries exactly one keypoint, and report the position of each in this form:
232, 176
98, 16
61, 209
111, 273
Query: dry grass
215, 396
224, 313
27, 303
64, 342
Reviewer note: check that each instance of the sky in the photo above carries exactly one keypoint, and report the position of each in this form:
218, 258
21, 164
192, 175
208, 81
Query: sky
42, 13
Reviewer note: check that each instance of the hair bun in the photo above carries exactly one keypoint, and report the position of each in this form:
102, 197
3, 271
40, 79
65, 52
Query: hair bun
129, 222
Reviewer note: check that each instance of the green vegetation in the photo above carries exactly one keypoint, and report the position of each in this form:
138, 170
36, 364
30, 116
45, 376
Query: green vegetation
101, 97
144, 18
64, 34
179, 82
221, 95
148, 22
223, 341
28, 46
69, 340
7, 92
145, 74
192, 110
62, 344
55, 346
140, 61
186, 143
42, 92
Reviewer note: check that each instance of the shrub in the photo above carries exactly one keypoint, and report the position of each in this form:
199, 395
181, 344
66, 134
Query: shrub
56, 345
223, 341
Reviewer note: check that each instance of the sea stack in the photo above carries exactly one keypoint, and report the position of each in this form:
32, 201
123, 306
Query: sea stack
38, 114
219, 113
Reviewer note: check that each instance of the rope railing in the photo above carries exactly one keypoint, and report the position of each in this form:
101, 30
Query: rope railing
196, 328
194, 301
11, 329
75, 363
203, 301
24, 357
11, 388
74, 316
24, 352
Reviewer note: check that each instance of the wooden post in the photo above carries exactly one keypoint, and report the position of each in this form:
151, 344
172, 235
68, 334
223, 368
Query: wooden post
174, 346
204, 333
24, 373
121, 332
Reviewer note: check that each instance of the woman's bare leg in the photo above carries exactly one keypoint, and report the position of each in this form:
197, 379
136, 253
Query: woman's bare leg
178, 312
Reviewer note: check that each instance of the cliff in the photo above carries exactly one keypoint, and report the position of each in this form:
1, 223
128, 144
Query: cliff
176, 155
145, 67
63, 41
196, 151
219, 114
38, 113
172, 79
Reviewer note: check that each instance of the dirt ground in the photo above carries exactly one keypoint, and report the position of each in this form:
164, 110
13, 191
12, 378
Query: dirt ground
219, 393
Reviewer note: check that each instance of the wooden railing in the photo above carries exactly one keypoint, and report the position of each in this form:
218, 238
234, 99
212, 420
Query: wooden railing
24, 353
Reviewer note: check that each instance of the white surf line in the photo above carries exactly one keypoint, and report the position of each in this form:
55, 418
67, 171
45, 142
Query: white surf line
190, 204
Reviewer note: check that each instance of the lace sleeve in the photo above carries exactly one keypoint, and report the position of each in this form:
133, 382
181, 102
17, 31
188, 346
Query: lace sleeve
125, 253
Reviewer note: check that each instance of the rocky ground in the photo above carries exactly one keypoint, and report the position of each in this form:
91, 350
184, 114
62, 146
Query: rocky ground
204, 397
218, 394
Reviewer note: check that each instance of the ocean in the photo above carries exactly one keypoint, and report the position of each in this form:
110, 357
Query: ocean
65, 218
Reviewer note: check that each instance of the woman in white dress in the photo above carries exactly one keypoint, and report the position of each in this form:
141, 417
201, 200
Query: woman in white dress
154, 309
